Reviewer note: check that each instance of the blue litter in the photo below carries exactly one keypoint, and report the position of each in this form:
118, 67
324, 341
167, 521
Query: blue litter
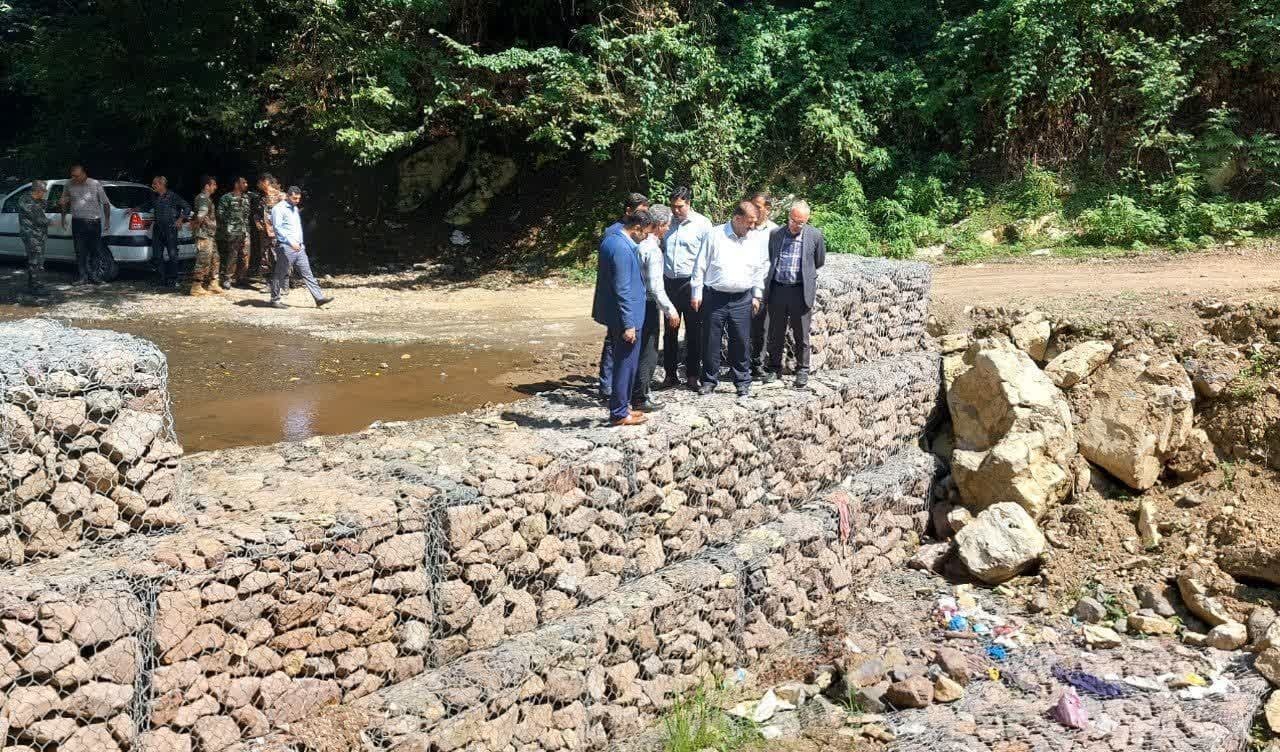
997, 652
1090, 684
981, 628
958, 624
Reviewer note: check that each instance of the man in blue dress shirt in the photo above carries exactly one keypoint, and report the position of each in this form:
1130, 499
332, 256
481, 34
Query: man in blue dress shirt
619, 305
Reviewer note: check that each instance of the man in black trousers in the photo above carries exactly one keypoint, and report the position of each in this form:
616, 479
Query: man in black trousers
796, 253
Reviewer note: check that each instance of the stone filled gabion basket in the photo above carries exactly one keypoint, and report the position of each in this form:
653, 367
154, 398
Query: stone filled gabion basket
87, 444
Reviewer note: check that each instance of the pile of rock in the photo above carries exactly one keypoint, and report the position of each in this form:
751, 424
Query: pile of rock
1031, 421
87, 448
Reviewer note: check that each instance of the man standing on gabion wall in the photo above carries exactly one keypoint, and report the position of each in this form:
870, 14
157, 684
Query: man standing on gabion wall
33, 226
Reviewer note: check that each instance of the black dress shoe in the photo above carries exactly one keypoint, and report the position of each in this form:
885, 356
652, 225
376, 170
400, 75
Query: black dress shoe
278, 304
769, 377
322, 302
706, 389
670, 383
694, 384
744, 391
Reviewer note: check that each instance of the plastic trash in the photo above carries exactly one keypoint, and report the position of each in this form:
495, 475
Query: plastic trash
993, 674
997, 652
958, 624
1069, 710
1090, 684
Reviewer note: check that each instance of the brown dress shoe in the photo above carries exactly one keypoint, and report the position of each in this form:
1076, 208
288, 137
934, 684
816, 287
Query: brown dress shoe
634, 419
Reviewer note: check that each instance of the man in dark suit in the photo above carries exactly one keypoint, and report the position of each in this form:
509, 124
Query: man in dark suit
796, 253
619, 305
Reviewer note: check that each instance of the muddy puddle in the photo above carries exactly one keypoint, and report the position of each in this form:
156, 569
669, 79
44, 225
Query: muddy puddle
243, 386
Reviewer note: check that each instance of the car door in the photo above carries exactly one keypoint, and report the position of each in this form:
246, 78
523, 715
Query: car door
59, 245
10, 239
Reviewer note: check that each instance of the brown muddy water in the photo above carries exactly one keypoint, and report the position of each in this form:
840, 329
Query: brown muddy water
242, 386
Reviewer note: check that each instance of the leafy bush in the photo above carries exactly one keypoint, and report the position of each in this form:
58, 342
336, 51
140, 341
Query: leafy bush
1120, 221
1037, 193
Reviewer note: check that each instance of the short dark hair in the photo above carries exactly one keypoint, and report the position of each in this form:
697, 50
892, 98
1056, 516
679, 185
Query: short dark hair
293, 191
269, 178
634, 200
743, 207
768, 199
637, 218
205, 180
682, 193
238, 178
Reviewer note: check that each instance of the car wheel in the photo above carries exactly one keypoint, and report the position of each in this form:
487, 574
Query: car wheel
105, 264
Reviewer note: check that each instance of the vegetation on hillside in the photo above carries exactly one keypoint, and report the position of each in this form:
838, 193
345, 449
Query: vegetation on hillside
910, 122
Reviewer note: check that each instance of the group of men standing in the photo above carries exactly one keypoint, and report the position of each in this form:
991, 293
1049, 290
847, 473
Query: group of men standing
226, 222
746, 281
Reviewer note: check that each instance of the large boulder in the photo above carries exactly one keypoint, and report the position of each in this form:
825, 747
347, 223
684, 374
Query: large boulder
486, 177
424, 172
1014, 439
1078, 363
1138, 413
1001, 542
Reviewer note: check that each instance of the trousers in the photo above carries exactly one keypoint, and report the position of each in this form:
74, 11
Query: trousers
288, 260
86, 236
727, 312
235, 264
653, 323
679, 291
626, 361
787, 310
164, 251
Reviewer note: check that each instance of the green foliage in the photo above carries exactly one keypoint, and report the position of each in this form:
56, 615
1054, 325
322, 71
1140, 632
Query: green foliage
696, 723
1120, 221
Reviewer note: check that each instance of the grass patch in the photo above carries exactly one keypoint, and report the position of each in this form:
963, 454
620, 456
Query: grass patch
696, 723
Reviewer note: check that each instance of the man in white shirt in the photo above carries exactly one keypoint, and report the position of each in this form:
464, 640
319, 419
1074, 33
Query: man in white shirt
727, 287
760, 235
680, 247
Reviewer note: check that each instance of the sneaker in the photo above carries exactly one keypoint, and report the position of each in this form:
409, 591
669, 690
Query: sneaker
802, 380
278, 304
322, 302
769, 377
706, 389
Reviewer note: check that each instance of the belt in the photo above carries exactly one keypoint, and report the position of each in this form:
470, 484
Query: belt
726, 292
787, 284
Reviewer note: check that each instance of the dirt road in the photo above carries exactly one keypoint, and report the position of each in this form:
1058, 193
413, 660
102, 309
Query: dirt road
1140, 286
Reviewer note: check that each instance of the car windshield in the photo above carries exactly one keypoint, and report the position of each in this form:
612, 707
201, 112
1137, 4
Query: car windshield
127, 196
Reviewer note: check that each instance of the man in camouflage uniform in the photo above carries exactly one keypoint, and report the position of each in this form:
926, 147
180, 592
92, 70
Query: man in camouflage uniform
33, 226
206, 230
269, 194
233, 222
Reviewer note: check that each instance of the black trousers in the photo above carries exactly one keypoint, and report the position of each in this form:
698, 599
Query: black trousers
86, 236
759, 323
164, 251
681, 296
653, 323
787, 309
731, 312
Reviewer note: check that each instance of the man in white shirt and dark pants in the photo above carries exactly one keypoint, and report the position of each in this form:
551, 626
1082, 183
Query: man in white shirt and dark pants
291, 251
727, 287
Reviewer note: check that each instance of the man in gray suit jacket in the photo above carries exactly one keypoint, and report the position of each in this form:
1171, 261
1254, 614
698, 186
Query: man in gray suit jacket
796, 253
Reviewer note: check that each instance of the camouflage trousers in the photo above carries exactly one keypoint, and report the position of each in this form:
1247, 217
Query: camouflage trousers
267, 259
35, 260
235, 261
206, 269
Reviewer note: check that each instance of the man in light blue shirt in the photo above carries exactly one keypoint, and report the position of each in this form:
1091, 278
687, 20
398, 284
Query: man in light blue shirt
291, 251
680, 248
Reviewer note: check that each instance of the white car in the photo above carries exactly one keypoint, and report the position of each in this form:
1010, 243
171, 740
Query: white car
126, 237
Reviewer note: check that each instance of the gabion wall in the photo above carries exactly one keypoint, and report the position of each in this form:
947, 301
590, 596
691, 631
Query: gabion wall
341, 568
87, 446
